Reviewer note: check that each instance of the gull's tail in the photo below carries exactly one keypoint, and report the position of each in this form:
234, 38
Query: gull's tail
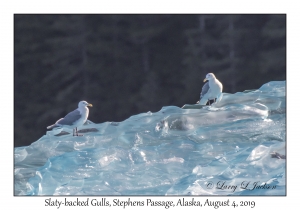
52, 126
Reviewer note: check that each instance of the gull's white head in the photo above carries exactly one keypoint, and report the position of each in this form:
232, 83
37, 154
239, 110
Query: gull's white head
209, 76
84, 104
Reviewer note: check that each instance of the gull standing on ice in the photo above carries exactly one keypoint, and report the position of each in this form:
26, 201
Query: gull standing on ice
75, 118
211, 90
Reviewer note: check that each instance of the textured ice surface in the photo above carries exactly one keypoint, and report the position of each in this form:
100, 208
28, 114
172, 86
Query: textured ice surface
224, 149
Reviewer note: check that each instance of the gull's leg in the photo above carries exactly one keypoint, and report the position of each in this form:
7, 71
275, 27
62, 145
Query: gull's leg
214, 101
77, 133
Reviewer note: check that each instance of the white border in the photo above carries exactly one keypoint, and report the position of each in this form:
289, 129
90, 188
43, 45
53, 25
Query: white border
8, 8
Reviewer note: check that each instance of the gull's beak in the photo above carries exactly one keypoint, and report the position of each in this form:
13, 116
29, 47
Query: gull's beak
205, 80
91, 105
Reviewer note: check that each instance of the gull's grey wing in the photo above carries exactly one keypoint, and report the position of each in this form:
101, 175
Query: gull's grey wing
70, 118
205, 89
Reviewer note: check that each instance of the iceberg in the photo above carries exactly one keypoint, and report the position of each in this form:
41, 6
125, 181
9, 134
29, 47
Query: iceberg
234, 147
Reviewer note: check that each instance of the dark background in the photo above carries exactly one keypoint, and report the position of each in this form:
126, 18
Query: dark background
129, 64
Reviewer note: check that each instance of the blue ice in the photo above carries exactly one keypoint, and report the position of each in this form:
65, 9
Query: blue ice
236, 147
